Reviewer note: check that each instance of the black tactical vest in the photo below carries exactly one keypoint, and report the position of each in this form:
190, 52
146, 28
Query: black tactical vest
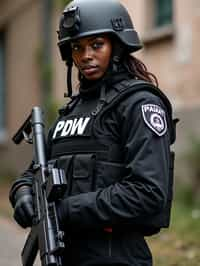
89, 157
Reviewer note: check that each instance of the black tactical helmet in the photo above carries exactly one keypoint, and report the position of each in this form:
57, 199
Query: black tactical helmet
83, 18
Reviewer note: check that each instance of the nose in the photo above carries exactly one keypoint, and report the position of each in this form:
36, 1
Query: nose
87, 54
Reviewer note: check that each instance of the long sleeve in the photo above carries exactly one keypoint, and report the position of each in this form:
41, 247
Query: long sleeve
142, 191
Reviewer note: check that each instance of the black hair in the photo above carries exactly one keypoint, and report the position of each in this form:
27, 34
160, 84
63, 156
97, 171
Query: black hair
138, 69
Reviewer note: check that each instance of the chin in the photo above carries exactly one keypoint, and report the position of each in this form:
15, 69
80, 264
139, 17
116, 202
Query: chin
93, 77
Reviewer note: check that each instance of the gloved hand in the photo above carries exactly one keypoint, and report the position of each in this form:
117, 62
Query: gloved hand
23, 206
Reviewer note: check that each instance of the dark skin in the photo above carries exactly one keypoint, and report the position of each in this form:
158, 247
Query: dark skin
92, 55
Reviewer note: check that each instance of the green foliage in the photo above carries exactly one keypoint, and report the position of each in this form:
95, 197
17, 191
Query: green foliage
179, 245
44, 68
62, 3
185, 220
192, 159
51, 111
7, 171
184, 194
7, 174
193, 156
46, 76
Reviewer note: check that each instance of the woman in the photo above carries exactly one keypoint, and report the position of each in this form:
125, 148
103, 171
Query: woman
113, 141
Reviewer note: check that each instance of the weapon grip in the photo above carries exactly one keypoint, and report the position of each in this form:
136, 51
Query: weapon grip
30, 249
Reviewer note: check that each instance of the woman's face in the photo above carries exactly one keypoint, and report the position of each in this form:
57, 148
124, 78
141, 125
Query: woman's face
92, 55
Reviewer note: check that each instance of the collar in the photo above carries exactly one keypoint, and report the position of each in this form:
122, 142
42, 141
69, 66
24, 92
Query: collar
92, 89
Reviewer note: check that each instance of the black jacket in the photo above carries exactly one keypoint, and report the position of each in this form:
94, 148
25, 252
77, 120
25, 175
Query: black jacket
117, 165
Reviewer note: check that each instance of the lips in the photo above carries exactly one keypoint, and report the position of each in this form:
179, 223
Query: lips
89, 69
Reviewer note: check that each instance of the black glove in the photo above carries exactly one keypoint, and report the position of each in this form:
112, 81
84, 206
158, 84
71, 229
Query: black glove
23, 206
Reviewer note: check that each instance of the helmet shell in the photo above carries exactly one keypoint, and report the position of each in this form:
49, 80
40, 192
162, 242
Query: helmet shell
83, 18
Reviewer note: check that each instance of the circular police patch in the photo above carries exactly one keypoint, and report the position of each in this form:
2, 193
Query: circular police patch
154, 117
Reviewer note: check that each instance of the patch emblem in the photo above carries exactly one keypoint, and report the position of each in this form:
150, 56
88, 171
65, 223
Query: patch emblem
154, 117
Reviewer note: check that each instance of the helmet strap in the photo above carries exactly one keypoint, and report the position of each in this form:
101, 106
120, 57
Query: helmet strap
69, 64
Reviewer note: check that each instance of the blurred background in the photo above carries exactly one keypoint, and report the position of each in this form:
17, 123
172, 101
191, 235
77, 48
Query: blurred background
32, 73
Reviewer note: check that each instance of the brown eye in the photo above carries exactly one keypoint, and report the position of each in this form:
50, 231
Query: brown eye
75, 47
97, 44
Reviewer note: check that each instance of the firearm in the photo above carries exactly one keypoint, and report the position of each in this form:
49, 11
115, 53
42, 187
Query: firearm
49, 185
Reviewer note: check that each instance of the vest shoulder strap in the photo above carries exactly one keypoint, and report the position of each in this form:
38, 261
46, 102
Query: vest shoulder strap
125, 88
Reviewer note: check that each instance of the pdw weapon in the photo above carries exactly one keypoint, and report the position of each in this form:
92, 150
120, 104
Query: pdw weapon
49, 185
